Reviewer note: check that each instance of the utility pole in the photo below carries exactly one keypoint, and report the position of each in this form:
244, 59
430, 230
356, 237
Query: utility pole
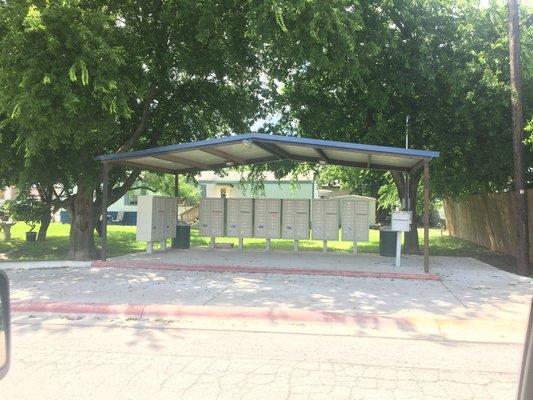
522, 253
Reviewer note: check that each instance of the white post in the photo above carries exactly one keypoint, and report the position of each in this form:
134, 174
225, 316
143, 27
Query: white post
295, 244
212, 242
398, 248
268, 244
149, 247
164, 244
354, 248
325, 246
241, 243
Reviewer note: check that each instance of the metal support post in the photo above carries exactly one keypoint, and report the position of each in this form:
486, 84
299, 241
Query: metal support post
105, 189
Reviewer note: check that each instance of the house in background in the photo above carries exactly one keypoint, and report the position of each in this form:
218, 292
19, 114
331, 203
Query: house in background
8, 193
231, 185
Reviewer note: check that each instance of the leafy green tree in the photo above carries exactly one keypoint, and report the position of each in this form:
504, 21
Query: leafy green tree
189, 191
84, 78
359, 74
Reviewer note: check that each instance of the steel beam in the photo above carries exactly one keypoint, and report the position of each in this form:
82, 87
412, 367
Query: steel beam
181, 160
322, 154
273, 149
222, 154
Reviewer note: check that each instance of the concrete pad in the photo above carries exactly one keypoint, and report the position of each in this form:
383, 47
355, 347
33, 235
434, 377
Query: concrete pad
279, 259
265, 270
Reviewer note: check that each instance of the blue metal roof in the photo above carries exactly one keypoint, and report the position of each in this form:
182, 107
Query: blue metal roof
269, 148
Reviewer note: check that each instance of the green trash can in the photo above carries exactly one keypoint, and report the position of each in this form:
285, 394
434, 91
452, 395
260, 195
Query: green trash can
183, 236
387, 243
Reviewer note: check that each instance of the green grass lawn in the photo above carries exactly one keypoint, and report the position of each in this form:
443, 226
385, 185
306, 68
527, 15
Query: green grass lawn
121, 241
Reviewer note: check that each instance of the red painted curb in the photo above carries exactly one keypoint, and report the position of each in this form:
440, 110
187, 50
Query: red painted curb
262, 270
215, 312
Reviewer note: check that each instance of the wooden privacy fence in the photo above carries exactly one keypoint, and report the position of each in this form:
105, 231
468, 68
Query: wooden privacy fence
488, 220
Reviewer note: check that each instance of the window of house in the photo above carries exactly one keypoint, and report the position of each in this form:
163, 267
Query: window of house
223, 193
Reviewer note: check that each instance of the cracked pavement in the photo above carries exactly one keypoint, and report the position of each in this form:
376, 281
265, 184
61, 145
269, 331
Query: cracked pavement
82, 357
63, 359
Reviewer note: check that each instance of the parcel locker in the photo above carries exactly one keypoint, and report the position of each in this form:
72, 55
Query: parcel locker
325, 219
212, 214
354, 220
295, 219
267, 218
239, 218
156, 219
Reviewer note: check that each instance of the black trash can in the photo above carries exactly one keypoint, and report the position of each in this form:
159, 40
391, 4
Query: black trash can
183, 236
387, 243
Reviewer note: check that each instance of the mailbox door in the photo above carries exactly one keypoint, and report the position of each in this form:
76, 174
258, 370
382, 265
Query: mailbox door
274, 218
348, 219
361, 228
204, 217
287, 219
246, 217
301, 219
332, 219
260, 218
217, 217
233, 225
318, 219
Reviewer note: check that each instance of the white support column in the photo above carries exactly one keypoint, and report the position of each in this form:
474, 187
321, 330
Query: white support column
398, 248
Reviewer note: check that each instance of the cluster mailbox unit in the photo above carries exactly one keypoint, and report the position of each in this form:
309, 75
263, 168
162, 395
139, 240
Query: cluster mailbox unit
212, 218
325, 220
295, 220
267, 219
354, 221
156, 220
292, 219
239, 219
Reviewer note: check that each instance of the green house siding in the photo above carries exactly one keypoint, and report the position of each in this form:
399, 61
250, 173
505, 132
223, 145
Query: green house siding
281, 190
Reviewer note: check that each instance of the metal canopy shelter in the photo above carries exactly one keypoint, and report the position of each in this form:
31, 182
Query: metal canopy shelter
255, 148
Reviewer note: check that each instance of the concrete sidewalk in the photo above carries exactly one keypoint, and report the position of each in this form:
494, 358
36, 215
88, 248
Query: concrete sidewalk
468, 291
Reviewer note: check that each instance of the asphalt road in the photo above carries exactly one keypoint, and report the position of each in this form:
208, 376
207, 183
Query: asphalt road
71, 358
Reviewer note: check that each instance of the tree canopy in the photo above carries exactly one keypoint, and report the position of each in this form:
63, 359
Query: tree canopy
88, 77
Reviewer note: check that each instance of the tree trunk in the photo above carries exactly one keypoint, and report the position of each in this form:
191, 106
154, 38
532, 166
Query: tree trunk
411, 245
46, 218
82, 226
